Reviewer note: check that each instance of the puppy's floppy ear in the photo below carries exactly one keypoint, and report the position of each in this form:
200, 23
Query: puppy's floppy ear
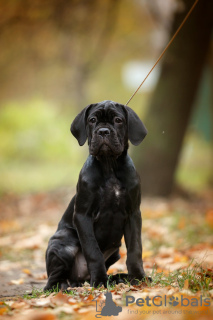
78, 126
136, 129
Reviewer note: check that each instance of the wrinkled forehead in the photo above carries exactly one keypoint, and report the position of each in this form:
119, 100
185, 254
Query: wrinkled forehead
107, 110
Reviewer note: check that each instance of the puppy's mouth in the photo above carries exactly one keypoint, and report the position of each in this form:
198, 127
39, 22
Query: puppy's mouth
104, 146
105, 149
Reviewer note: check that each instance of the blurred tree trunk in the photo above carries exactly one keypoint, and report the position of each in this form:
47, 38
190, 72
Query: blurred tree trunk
171, 104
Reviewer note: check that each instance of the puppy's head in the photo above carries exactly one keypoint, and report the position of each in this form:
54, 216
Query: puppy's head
108, 126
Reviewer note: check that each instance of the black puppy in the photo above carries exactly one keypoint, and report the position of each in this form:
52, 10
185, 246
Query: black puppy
106, 205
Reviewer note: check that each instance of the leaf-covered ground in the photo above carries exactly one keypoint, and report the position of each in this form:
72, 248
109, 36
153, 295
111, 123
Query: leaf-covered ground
177, 252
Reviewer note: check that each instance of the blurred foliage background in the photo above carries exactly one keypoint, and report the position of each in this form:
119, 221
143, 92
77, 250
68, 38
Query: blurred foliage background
57, 56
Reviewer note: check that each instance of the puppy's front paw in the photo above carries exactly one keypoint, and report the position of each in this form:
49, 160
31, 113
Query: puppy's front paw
118, 278
99, 281
134, 280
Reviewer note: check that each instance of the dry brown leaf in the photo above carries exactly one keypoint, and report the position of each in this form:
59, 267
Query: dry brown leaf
72, 301
38, 315
89, 298
19, 305
41, 302
59, 299
81, 290
40, 276
209, 217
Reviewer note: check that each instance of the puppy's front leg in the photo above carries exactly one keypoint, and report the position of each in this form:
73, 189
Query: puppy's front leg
132, 235
93, 255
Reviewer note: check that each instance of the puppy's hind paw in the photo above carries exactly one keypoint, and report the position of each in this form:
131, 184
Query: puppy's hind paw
74, 284
149, 279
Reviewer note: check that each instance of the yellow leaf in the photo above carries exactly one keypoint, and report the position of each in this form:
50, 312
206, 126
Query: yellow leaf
186, 284
27, 271
147, 254
3, 309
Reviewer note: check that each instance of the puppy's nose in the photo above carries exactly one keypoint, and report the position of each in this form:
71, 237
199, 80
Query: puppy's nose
103, 132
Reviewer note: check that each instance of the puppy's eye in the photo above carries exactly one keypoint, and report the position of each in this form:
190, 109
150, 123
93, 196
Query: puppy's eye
92, 120
118, 120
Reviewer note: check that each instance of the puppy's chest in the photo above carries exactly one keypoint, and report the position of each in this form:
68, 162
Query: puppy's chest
113, 194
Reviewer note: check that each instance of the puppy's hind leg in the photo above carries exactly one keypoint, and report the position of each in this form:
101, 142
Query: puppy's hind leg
60, 257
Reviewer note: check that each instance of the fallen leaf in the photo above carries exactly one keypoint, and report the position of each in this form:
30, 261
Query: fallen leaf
17, 282
180, 258
3, 308
66, 309
42, 302
72, 301
89, 298
19, 305
59, 299
209, 217
186, 284
147, 254
27, 271
40, 276
33, 243
38, 315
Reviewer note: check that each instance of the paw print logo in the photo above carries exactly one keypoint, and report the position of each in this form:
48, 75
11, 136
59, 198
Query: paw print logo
174, 301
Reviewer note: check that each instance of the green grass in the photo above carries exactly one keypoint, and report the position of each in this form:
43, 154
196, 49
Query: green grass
198, 278
37, 293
